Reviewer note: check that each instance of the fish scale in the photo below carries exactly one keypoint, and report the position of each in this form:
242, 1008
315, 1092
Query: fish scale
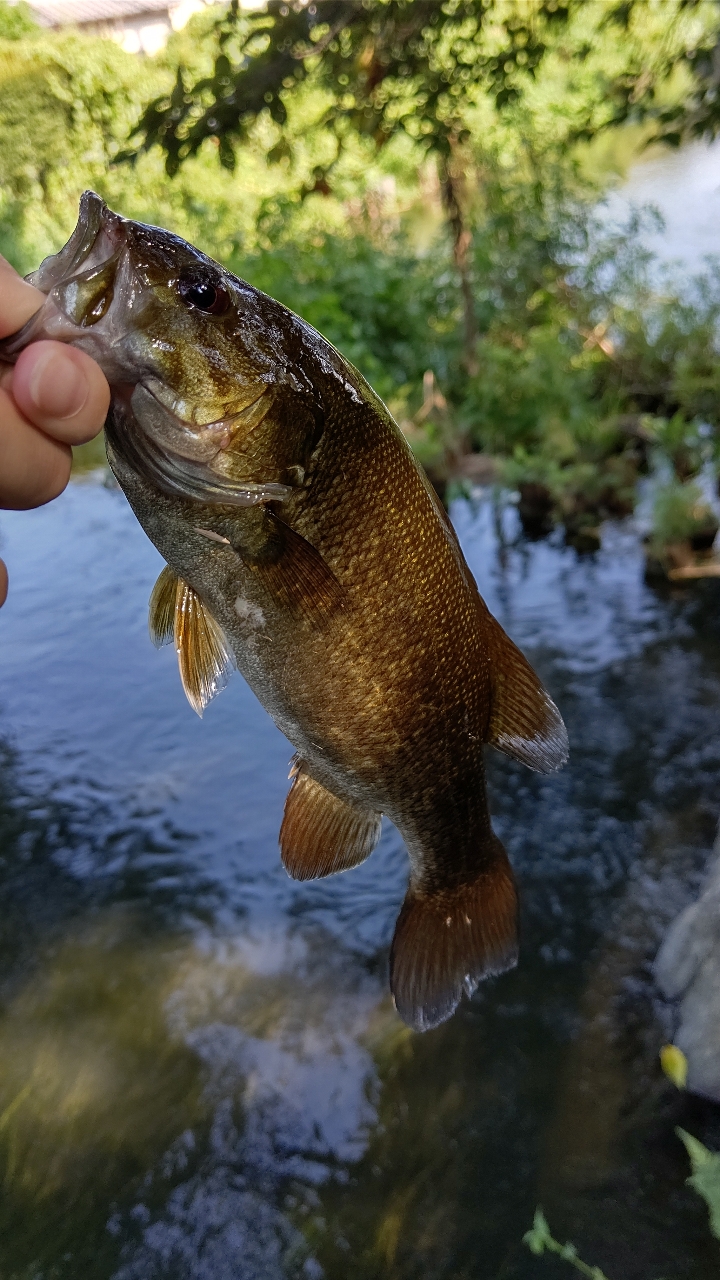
305, 546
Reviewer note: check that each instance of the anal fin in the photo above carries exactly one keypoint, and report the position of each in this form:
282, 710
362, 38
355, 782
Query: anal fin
204, 656
321, 834
524, 721
447, 940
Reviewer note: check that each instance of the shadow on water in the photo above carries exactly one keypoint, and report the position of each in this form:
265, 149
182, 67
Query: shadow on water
201, 1075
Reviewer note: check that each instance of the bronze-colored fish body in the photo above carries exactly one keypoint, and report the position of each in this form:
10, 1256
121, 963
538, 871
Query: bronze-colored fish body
305, 547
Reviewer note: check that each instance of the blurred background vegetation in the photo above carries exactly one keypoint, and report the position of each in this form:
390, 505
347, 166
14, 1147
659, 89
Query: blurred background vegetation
423, 182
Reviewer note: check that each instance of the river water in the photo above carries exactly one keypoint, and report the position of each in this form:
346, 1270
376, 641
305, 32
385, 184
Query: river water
201, 1074
684, 187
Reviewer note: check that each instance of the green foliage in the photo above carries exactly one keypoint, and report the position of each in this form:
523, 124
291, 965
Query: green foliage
16, 21
585, 368
388, 65
540, 1240
705, 1177
680, 512
414, 66
64, 101
668, 350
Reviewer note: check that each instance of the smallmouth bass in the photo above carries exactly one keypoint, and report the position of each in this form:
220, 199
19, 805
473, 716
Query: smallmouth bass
305, 547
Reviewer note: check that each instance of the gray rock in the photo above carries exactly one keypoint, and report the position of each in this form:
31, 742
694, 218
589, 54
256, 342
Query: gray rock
687, 969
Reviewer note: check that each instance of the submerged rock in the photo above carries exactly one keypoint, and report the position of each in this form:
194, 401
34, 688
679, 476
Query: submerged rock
687, 969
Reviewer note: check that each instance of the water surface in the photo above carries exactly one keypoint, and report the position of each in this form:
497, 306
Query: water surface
201, 1073
683, 184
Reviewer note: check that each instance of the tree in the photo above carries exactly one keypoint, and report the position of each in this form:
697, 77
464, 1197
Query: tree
644, 92
388, 67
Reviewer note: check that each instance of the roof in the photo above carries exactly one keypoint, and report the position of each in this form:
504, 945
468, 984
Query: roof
60, 13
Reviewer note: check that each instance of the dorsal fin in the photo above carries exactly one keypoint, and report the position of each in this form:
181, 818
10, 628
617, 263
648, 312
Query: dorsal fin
161, 611
204, 655
524, 721
321, 834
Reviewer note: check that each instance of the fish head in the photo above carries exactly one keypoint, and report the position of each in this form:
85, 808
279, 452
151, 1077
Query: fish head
193, 359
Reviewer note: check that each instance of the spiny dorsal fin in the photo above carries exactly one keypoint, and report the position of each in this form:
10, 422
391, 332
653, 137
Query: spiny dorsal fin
161, 613
321, 834
524, 721
204, 656
447, 940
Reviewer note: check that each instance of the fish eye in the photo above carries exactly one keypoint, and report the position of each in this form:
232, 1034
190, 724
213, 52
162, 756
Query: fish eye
206, 295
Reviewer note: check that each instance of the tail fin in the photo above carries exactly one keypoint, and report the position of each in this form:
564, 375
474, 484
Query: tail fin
446, 941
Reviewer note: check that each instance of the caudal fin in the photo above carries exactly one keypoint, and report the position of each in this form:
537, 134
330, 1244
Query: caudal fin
447, 941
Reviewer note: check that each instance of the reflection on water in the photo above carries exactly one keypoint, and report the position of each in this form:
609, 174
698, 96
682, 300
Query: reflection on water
201, 1074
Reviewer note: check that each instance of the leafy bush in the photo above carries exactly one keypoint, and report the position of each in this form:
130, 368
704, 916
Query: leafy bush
680, 512
586, 366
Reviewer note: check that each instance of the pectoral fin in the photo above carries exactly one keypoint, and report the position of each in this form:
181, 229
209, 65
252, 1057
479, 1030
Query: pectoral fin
290, 568
524, 721
321, 834
297, 574
204, 656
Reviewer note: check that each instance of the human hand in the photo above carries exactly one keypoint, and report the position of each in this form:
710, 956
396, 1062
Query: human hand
52, 398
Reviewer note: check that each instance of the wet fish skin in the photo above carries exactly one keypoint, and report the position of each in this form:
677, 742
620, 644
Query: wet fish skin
281, 493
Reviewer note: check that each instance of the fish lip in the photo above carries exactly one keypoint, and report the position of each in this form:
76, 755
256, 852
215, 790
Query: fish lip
94, 219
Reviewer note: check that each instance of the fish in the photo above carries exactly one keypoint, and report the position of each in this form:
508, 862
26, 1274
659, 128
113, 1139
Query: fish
305, 548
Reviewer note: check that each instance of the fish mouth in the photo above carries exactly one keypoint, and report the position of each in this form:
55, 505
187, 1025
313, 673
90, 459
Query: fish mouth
91, 257
98, 236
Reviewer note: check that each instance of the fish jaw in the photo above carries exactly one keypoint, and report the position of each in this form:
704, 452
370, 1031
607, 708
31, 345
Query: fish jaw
87, 287
97, 236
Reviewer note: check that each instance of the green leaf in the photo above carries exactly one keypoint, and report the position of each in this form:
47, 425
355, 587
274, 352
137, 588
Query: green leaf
705, 1177
538, 1238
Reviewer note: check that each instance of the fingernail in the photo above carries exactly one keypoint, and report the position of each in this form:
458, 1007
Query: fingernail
57, 386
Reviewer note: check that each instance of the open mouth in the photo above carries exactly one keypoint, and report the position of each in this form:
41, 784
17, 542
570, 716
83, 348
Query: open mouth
97, 237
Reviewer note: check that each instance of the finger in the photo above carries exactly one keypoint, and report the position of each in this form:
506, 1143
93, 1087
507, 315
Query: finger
34, 468
20, 300
61, 390
3, 583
